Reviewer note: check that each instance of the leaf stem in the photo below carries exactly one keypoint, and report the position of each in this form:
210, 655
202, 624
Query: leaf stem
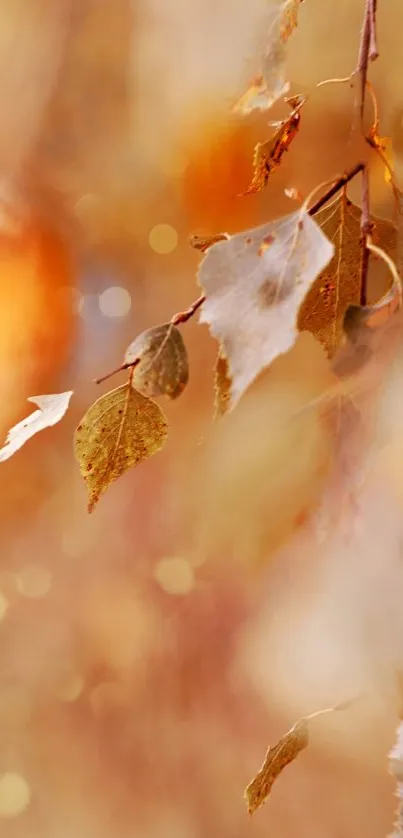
107, 375
184, 316
368, 49
337, 185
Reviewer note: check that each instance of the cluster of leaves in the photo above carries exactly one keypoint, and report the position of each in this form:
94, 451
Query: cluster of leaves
306, 271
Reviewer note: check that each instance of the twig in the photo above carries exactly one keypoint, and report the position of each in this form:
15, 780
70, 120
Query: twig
127, 366
373, 46
337, 185
366, 230
368, 50
184, 316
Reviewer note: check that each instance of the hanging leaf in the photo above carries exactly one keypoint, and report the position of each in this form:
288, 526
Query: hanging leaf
163, 366
276, 759
280, 755
270, 82
118, 431
267, 156
222, 386
338, 286
204, 242
51, 410
254, 284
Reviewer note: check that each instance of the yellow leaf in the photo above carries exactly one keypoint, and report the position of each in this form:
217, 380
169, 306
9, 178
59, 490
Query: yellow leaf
338, 285
280, 755
276, 759
120, 430
163, 368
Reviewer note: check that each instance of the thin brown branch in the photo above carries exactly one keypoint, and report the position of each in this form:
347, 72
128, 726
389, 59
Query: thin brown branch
337, 185
368, 50
366, 230
373, 46
184, 316
118, 369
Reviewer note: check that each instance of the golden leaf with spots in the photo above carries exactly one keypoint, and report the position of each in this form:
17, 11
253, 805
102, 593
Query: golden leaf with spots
222, 386
276, 759
338, 286
163, 368
120, 430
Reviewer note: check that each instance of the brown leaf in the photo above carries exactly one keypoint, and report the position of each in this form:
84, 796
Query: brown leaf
163, 367
338, 286
222, 385
270, 82
254, 284
51, 410
267, 156
280, 755
120, 430
204, 242
276, 759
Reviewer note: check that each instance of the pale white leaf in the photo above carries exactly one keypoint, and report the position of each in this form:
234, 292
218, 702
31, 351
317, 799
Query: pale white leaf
270, 83
51, 410
254, 284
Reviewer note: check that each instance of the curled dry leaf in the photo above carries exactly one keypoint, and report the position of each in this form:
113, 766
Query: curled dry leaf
222, 385
254, 284
204, 242
338, 286
276, 759
267, 156
120, 430
163, 368
51, 410
270, 82
357, 318
280, 755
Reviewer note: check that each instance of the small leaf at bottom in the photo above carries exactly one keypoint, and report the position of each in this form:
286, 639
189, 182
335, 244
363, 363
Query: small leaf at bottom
276, 759
118, 431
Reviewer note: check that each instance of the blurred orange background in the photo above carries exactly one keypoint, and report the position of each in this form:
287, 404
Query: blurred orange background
150, 652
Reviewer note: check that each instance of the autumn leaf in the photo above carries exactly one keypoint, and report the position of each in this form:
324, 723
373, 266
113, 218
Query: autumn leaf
267, 156
163, 366
276, 759
338, 286
204, 242
222, 385
374, 316
270, 82
254, 284
51, 410
120, 430
282, 754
